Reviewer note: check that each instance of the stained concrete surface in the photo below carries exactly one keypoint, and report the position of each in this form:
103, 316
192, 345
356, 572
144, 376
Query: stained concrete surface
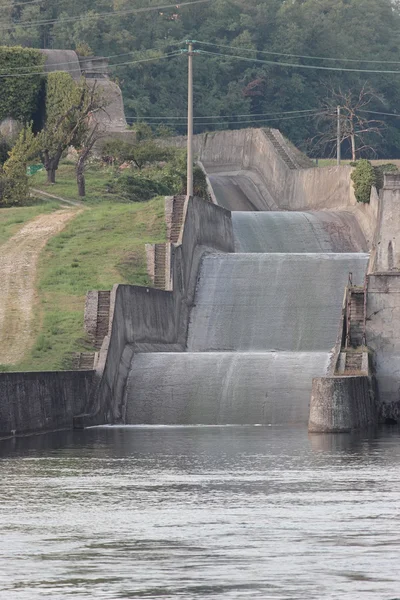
222, 387
297, 232
255, 302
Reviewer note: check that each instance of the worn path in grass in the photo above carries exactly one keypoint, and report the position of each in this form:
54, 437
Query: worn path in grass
18, 266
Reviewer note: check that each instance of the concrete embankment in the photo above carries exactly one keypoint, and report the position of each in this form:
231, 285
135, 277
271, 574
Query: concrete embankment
35, 402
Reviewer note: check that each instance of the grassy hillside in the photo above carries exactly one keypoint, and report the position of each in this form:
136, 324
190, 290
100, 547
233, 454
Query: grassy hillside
103, 245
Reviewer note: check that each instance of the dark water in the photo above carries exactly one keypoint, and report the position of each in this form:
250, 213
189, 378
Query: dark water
200, 512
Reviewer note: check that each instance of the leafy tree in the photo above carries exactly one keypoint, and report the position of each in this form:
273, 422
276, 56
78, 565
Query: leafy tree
69, 106
14, 188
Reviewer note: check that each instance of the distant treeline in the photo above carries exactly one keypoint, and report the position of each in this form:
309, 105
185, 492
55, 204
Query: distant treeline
364, 31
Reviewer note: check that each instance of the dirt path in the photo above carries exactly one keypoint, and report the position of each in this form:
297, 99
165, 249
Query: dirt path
18, 266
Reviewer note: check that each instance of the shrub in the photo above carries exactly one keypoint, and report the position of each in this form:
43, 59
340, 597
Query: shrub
19, 96
363, 178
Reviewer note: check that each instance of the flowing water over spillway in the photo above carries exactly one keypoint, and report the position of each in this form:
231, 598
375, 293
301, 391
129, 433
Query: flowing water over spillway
263, 323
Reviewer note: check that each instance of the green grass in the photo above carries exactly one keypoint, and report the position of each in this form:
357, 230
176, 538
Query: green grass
65, 186
13, 218
103, 245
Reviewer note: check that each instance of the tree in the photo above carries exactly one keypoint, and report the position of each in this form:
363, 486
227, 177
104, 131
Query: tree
89, 138
69, 106
14, 187
357, 129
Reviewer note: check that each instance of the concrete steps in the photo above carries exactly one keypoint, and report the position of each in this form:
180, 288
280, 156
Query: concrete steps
103, 316
160, 252
83, 361
353, 362
282, 152
356, 317
177, 218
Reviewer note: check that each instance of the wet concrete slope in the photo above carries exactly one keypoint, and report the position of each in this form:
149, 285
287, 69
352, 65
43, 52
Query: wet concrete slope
222, 387
297, 232
263, 322
255, 302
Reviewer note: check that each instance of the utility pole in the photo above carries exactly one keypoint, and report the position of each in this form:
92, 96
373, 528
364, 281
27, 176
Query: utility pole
339, 135
189, 186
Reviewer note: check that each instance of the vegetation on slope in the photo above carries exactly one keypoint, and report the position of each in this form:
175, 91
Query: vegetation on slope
103, 245
361, 30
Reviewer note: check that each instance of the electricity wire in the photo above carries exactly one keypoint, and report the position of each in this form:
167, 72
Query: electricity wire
297, 66
101, 15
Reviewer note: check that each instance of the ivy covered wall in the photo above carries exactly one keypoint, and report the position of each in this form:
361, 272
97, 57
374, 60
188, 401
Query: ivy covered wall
19, 96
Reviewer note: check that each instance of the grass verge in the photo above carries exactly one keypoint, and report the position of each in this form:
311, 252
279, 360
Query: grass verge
103, 245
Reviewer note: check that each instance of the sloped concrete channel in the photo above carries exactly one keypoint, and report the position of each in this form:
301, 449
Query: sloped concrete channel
263, 323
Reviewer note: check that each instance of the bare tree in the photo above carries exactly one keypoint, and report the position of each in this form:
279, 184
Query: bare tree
356, 126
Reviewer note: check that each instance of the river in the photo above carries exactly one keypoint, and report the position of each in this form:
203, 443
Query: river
200, 512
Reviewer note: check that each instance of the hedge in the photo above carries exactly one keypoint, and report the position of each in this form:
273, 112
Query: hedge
19, 96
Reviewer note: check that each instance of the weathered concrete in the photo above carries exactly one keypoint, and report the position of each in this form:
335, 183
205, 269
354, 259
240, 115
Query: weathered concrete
321, 231
222, 387
256, 302
37, 402
340, 404
151, 320
255, 177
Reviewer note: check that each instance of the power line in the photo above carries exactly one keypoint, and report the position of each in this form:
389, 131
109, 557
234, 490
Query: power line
297, 66
285, 112
102, 15
133, 62
375, 112
356, 60
247, 121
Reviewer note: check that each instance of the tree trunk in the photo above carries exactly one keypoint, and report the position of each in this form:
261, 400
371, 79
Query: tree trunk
51, 175
81, 185
353, 147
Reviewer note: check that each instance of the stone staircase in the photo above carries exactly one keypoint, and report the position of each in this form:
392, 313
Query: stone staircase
353, 362
83, 361
177, 218
281, 150
103, 317
356, 317
160, 255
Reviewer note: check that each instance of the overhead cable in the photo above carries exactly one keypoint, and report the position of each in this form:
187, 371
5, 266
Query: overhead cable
102, 15
297, 66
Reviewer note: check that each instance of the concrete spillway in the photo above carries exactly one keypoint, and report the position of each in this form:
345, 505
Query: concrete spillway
256, 302
297, 232
222, 387
263, 322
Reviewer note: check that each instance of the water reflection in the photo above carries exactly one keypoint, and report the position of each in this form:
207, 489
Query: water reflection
216, 512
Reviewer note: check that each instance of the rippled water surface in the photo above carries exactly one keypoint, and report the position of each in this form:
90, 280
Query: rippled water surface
200, 512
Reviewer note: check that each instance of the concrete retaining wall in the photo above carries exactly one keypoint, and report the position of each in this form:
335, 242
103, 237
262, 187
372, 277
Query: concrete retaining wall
33, 402
250, 152
151, 320
340, 404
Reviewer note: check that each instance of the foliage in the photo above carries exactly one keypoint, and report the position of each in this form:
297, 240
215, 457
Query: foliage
68, 106
363, 178
363, 30
138, 185
380, 171
141, 152
19, 96
103, 244
14, 188
5, 147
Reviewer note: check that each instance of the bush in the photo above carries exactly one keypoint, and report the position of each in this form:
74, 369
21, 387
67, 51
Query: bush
363, 178
19, 96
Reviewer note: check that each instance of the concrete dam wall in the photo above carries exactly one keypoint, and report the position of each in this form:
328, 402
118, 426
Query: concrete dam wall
261, 326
